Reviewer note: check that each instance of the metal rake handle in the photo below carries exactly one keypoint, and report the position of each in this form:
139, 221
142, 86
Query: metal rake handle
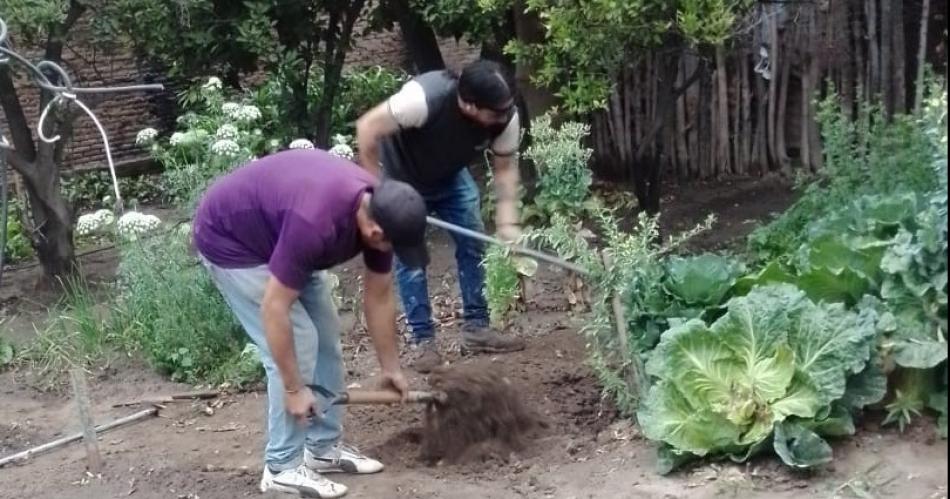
560, 262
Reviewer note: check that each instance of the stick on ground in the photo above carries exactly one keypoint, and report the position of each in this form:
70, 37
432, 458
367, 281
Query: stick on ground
132, 418
81, 395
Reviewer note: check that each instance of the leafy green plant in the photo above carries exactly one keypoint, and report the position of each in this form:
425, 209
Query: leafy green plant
504, 274
870, 155
168, 308
91, 190
18, 246
773, 365
564, 178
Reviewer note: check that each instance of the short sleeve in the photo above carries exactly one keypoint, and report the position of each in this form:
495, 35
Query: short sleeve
378, 261
293, 260
508, 142
408, 106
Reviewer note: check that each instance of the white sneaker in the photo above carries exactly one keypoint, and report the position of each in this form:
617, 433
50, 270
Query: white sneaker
342, 459
302, 481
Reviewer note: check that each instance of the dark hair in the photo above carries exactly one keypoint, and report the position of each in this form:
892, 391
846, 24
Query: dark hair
486, 84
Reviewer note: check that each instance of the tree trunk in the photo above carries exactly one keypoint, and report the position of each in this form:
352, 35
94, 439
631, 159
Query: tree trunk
528, 29
874, 57
781, 125
51, 230
888, 76
724, 165
921, 57
900, 52
421, 42
337, 44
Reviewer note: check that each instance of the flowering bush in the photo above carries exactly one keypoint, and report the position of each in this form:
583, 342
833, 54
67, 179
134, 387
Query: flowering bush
341, 147
94, 223
301, 144
133, 224
218, 135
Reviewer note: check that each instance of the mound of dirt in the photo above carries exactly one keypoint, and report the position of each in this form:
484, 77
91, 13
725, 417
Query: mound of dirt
484, 416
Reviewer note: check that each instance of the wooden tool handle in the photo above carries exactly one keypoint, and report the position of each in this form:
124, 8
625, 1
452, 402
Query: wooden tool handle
386, 397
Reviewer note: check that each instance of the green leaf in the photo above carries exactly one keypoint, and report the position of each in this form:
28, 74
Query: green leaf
6, 353
669, 417
771, 274
938, 402
669, 459
800, 447
826, 284
701, 280
834, 253
831, 343
866, 388
919, 354
839, 423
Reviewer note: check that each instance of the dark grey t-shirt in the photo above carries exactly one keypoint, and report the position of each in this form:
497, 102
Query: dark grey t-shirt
436, 140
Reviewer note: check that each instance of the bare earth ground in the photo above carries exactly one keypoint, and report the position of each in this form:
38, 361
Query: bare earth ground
588, 452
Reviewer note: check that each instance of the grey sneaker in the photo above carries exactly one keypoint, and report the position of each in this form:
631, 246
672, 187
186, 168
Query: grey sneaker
488, 340
425, 357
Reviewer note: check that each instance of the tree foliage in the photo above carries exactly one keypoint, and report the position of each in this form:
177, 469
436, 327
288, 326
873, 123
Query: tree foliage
587, 43
304, 44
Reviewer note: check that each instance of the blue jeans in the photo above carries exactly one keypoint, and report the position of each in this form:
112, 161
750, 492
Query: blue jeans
316, 330
457, 202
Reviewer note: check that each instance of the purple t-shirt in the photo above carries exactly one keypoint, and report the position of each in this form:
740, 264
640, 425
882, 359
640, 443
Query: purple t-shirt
294, 211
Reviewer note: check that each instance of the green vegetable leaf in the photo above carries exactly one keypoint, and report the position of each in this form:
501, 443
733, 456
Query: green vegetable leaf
865, 388
831, 343
775, 359
701, 280
668, 416
771, 274
938, 402
838, 423
800, 447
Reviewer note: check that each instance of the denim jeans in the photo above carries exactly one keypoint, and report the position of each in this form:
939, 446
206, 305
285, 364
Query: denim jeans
316, 330
457, 202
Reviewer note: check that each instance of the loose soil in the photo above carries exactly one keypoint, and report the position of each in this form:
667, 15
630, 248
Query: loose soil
584, 449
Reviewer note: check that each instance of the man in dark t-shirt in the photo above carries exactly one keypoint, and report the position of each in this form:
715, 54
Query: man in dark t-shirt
267, 232
426, 135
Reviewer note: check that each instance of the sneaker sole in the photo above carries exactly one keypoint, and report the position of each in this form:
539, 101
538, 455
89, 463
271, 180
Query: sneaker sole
301, 491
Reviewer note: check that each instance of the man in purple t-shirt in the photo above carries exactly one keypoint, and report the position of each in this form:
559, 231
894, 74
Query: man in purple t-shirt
266, 232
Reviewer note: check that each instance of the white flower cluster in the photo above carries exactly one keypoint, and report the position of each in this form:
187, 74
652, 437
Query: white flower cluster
241, 113
176, 138
342, 150
341, 147
91, 223
146, 136
133, 224
227, 131
230, 108
213, 83
301, 144
226, 147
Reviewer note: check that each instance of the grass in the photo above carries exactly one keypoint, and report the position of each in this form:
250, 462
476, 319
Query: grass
164, 309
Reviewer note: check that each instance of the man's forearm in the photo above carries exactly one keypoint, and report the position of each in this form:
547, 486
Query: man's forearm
369, 156
507, 186
280, 340
379, 306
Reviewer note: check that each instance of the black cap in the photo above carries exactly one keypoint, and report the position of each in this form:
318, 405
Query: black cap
401, 212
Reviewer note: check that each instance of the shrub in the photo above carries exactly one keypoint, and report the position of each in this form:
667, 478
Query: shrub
168, 308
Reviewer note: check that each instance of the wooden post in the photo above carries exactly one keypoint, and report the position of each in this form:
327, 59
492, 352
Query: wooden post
633, 370
81, 394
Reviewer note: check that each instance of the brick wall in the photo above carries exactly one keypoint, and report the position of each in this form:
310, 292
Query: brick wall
123, 115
